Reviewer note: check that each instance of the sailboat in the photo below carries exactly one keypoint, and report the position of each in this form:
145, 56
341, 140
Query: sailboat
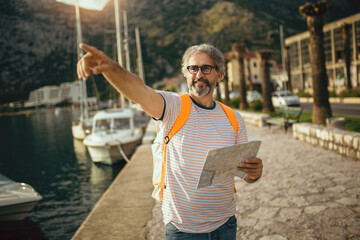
115, 136
82, 127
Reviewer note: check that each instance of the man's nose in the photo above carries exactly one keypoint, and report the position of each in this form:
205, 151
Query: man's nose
199, 73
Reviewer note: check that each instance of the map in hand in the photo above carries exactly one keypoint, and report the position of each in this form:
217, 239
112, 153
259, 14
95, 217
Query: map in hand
221, 164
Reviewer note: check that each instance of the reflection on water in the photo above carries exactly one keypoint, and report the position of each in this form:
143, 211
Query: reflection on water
40, 150
80, 151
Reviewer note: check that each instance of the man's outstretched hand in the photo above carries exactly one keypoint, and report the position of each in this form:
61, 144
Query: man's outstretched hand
94, 60
253, 168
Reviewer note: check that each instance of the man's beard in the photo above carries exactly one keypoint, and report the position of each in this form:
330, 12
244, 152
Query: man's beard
201, 90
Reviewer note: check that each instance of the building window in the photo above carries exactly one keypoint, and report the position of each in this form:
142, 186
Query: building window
294, 56
255, 76
305, 53
338, 45
357, 34
340, 77
327, 46
254, 64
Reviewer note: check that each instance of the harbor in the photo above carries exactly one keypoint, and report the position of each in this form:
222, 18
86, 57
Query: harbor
77, 149
39, 149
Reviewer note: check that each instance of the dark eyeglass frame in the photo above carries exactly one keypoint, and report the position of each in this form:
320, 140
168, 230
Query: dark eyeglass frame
202, 69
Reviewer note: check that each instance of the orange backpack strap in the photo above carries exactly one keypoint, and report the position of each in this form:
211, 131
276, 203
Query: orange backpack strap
180, 121
231, 115
182, 117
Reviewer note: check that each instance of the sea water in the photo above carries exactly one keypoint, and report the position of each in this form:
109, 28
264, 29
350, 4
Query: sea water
39, 150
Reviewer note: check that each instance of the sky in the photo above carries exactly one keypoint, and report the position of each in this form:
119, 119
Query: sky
89, 4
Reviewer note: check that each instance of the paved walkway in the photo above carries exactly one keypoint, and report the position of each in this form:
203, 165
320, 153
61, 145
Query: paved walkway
306, 192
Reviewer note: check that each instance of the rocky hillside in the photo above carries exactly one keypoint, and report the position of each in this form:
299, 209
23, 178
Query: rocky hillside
38, 37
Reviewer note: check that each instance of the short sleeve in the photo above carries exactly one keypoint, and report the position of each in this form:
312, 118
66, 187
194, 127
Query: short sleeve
241, 136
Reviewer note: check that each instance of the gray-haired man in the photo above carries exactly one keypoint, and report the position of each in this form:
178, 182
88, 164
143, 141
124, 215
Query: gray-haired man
189, 213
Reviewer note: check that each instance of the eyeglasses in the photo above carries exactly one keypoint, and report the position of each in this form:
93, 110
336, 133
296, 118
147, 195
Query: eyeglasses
205, 69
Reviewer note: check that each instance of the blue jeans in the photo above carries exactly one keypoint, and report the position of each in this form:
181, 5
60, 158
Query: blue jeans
227, 231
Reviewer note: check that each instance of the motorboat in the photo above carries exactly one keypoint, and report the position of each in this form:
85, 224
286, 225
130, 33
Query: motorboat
17, 200
114, 136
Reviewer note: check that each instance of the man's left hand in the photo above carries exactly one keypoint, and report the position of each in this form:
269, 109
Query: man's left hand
253, 168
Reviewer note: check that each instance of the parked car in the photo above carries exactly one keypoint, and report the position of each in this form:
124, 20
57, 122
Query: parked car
232, 94
252, 96
285, 98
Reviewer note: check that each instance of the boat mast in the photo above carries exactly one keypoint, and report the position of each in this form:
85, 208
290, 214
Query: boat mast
126, 42
82, 84
139, 55
118, 43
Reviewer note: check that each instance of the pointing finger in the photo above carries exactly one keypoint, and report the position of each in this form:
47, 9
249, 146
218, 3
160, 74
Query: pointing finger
90, 49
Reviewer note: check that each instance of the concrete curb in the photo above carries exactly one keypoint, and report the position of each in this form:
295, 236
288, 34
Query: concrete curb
350, 100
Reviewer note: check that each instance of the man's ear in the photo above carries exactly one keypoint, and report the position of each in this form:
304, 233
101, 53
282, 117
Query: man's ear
219, 76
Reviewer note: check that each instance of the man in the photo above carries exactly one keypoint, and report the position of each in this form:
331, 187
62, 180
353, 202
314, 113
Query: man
189, 213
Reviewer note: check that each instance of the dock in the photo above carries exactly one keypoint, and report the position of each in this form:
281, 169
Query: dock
125, 208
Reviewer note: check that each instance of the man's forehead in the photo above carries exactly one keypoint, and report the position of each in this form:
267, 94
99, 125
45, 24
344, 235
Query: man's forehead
201, 56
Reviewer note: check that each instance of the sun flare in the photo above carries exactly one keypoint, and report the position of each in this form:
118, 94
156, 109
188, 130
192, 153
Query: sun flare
88, 4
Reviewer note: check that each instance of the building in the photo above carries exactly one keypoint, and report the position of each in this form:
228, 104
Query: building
299, 56
47, 95
252, 67
52, 95
70, 92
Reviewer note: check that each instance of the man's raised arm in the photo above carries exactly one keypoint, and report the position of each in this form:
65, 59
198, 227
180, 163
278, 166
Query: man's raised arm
125, 82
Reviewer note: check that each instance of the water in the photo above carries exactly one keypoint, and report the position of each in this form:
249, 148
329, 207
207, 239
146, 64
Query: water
40, 150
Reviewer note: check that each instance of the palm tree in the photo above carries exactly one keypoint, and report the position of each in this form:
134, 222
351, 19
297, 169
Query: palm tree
249, 73
313, 12
240, 50
288, 67
347, 56
265, 56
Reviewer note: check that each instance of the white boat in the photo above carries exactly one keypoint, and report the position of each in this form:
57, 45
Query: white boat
81, 129
17, 200
114, 136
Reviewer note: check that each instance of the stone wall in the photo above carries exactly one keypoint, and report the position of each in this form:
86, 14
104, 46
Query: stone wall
343, 142
256, 119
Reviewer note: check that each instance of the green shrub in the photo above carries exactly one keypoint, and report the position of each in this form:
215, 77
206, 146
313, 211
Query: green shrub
170, 88
332, 94
256, 105
350, 93
303, 94
234, 103
344, 93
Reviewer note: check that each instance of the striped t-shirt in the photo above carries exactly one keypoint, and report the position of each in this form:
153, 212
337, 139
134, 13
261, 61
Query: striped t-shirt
189, 209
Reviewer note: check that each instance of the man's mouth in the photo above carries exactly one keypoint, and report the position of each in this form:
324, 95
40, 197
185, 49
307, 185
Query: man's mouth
201, 81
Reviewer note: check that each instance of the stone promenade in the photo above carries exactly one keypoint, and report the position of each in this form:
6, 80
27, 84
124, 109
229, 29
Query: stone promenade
306, 192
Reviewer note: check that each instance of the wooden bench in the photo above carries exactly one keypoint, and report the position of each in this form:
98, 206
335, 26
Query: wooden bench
287, 116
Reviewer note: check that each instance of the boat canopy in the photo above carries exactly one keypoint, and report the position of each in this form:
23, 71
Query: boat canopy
114, 113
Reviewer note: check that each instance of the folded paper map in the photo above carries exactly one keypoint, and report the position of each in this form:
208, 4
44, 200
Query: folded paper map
221, 164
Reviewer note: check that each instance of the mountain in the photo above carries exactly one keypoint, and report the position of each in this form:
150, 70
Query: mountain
38, 45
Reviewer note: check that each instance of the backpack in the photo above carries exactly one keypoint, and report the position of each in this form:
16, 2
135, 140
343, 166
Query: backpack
159, 145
